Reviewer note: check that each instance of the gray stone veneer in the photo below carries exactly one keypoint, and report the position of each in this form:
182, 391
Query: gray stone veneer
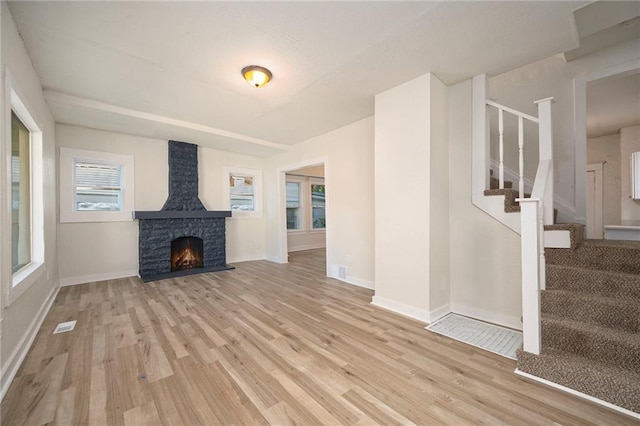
155, 245
183, 177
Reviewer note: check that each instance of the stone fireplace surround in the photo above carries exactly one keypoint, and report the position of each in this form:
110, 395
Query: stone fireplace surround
183, 215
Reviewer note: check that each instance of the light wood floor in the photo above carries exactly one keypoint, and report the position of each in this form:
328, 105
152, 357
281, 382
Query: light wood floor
264, 344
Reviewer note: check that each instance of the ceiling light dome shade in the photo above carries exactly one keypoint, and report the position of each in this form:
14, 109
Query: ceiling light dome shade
256, 76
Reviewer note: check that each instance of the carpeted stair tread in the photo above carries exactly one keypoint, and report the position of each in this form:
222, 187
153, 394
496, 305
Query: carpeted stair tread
495, 183
598, 343
496, 191
618, 313
604, 255
606, 382
591, 319
510, 195
600, 283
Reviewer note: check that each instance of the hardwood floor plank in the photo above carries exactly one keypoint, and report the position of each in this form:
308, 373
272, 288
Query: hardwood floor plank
156, 366
142, 415
173, 405
375, 410
37, 401
65, 409
98, 396
265, 343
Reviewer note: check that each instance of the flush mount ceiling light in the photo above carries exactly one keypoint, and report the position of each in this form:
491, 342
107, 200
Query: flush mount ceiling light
256, 76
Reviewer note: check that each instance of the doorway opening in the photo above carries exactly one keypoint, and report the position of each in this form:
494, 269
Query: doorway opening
305, 214
612, 114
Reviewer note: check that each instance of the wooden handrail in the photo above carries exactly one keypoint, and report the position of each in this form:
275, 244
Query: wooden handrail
512, 111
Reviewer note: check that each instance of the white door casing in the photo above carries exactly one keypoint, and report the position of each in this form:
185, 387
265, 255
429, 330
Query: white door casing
594, 201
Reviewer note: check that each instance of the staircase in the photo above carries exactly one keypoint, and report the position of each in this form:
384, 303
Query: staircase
591, 321
510, 195
580, 298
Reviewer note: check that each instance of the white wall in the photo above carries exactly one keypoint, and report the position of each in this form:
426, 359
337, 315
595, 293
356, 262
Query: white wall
484, 254
347, 154
402, 180
606, 149
20, 321
439, 277
112, 248
411, 199
629, 142
553, 77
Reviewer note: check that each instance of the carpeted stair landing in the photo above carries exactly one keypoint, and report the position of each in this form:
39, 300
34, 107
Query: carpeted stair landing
591, 322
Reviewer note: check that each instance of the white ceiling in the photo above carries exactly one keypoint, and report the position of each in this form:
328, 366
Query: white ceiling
613, 103
171, 70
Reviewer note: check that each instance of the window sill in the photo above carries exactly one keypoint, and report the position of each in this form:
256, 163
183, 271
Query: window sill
23, 279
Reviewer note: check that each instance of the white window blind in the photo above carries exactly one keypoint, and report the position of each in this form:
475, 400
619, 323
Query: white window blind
98, 186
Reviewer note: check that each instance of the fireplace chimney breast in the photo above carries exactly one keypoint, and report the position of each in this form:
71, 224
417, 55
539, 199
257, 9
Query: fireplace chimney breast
183, 178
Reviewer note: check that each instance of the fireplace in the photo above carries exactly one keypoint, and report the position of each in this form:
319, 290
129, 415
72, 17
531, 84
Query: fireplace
182, 238
186, 253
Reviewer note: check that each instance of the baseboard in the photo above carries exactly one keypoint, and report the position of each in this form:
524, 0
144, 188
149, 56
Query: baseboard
487, 316
306, 247
402, 309
357, 282
277, 260
606, 404
20, 352
96, 277
438, 313
245, 259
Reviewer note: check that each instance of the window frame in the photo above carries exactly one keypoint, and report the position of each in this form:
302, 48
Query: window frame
306, 203
256, 174
25, 277
67, 161
316, 181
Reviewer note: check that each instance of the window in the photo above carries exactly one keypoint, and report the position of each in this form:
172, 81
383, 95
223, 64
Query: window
242, 196
23, 142
318, 220
95, 186
305, 203
243, 192
294, 206
20, 194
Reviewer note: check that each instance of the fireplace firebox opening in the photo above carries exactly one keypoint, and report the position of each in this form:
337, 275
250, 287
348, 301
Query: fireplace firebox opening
186, 253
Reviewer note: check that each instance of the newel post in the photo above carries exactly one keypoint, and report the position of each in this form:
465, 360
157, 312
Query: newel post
530, 255
545, 146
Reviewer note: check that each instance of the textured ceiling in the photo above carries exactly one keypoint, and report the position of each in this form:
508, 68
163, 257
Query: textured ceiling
171, 70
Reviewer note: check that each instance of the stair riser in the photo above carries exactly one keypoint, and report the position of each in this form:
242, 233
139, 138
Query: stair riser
617, 314
596, 346
618, 259
593, 282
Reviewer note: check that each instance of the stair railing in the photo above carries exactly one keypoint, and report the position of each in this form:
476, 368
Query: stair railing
535, 212
521, 117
